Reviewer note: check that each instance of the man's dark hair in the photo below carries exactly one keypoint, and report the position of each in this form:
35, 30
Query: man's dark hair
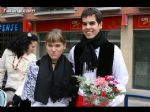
92, 11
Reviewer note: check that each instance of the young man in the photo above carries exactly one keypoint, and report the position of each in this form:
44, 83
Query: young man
95, 56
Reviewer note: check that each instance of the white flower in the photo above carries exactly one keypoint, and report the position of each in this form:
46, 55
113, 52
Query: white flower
88, 82
29, 35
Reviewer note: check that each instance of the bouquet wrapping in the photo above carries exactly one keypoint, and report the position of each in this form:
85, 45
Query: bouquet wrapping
101, 92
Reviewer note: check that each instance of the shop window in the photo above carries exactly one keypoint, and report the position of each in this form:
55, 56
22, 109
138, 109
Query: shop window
113, 36
73, 38
41, 47
141, 67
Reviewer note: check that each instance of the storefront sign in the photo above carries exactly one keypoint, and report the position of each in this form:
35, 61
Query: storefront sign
76, 24
112, 23
142, 21
109, 23
11, 27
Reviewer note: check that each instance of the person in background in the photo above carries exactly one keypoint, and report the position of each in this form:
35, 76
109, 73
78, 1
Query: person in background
49, 81
95, 56
15, 60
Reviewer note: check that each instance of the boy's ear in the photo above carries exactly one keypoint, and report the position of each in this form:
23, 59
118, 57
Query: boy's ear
100, 25
65, 45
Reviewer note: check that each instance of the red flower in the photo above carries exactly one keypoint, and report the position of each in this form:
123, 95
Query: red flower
106, 77
103, 94
116, 90
109, 77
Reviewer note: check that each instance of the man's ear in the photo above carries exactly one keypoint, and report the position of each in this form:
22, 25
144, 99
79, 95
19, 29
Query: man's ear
100, 25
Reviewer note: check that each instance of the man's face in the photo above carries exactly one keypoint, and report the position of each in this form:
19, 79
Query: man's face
55, 50
90, 27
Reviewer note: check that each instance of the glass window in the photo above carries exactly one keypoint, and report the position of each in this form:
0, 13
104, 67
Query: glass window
42, 49
73, 38
113, 36
141, 71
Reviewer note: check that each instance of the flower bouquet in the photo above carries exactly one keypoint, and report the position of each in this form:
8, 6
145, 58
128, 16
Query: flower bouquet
101, 92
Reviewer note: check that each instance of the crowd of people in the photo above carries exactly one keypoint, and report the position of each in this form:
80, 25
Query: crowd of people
50, 80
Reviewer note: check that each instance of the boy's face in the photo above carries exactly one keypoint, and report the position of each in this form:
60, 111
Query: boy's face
55, 50
90, 27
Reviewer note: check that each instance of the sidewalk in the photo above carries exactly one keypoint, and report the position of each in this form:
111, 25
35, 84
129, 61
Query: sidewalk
137, 102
